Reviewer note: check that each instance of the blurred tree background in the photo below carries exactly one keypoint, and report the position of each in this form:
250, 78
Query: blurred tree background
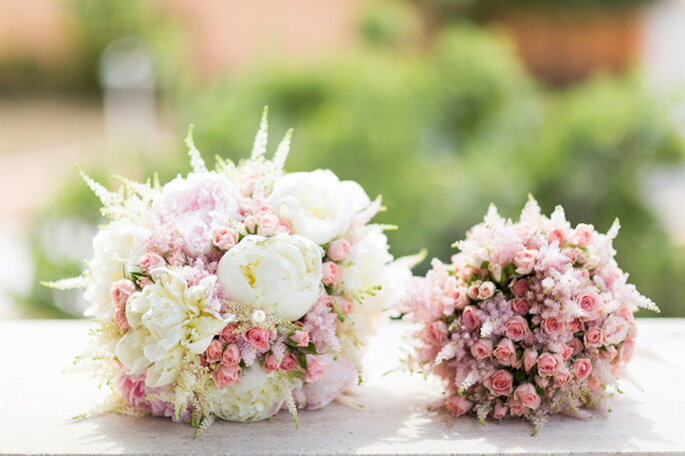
431, 109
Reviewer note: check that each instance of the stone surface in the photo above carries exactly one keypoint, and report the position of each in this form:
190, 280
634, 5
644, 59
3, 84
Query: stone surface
39, 399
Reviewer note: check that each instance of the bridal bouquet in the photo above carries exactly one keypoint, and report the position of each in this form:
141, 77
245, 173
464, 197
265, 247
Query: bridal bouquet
530, 318
232, 292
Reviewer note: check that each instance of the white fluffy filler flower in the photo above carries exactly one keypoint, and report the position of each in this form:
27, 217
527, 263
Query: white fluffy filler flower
317, 203
167, 318
282, 272
257, 397
116, 248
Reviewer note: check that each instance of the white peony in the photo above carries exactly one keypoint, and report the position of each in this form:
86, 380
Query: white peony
167, 318
318, 205
116, 249
257, 397
282, 272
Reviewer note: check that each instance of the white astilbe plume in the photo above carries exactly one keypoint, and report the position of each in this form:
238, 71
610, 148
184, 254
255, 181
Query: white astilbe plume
196, 161
260, 141
281, 154
68, 284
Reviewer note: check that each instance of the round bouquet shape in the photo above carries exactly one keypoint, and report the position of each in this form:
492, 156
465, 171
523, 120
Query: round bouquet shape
530, 318
234, 292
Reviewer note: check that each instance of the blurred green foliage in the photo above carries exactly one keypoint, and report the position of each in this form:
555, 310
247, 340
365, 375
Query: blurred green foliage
442, 133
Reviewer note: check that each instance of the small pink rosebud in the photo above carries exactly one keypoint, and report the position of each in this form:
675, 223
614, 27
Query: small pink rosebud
330, 273
214, 351
151, 260
458, 405
301, 338
271, 363
338, 250
289, 362
120, 291
345, 305
228, 333
267, 225
231, 355
556, 235
226, 375
250, 223
316, 368
224, 238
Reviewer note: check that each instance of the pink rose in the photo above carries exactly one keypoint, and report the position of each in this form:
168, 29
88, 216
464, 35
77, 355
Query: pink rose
576, 345
144, 281
626, 350
481, 349
250, 223
530, 356
214, 351
301, 338
609, 353
561, 376
247, 183
436, 332
516, 407
566, 352
338, 250
461, 298
330, 273
519, 287
121, 321
505, 352
547, 364
527, 395
500, 383
262, 211
552, 326
228, 333
284, 227
542, 382
593, 384
258, 338
469, 318
120, 292
486, 290
224, 238
457, 405
525, 261
581, 368
615, 368
267, 225
589, 302
519, 305
556, 235
575, 325
176, 258
593, 337
632, 330
500, 411
151, 260
225, 375
582, 235
473, 291
316, 367
615, 330
231, 355
271, 363
516, 328
345, 305
289, 362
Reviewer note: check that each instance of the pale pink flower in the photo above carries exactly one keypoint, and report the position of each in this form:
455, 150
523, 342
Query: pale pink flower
614, 330
258, 338
486, 290
547, 364
516, 328
500, 383
482, 349
301, 338
120, 291
151, 260
289, 362
519, 287
435, 332
338, 250
581, 368
284, 227
473, 291
231, 355
470, 318
330, 273
626, 350
121, 321
345, 305
250, 223
593, 384
226, 375
527, 396
500, 411
530, 356
267, 225
516, 407
224, 238
576, 345
316, 367
461, 298
505, 352
271, 363
525, 261
458, 405
561, 376
552, 326
589, 302
542, 382
575, 325
566, 352
228, 333
144, 281
609, 353
519, 305
593, 337
214, 351
176, 258
556, 235
582, 235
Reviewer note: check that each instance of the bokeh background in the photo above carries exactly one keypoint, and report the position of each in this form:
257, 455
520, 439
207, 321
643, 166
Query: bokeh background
443, 106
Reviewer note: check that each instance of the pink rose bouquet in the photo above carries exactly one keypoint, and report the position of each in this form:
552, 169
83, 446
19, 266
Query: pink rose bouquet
231, 293
529, 319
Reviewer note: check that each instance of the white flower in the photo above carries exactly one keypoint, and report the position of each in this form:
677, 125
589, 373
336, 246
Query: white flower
116, 248
318, 205
167, 318
193, 205
257, 397
281, 272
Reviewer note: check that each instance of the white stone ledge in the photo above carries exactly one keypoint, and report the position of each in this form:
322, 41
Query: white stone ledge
38, 401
